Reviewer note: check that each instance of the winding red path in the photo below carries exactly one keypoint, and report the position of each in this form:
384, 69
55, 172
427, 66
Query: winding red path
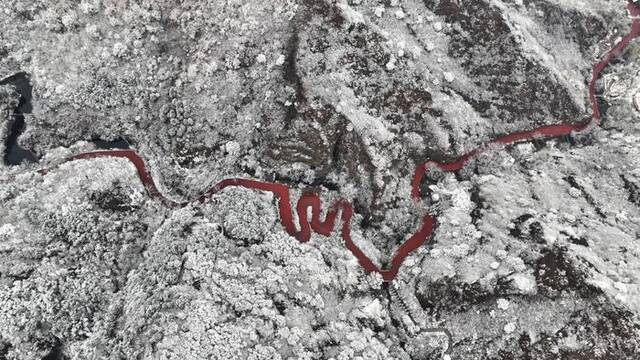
312, 201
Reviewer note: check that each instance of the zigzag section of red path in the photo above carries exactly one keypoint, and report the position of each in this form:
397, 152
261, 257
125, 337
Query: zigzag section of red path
281, 193
312, 201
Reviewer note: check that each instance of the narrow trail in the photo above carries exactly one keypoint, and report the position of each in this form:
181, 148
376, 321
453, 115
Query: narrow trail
343, 208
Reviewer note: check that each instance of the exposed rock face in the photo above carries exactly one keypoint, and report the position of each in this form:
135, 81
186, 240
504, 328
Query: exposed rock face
535, 254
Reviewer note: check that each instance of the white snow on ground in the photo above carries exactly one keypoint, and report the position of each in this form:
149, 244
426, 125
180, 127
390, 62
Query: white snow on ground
535, 253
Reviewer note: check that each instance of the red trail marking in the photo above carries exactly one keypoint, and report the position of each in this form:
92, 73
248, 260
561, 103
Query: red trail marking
343, 207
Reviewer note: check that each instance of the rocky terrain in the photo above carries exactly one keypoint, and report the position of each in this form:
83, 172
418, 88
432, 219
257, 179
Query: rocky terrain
535, 254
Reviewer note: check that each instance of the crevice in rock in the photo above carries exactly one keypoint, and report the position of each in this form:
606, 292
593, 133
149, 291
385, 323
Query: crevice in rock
574, 183
479, 201
291, 76
5, 346
575, 240
517, 230
633, 189
56, 352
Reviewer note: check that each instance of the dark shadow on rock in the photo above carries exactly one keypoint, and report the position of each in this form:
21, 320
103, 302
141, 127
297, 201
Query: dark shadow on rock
119, 143
56, 352
14, 154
